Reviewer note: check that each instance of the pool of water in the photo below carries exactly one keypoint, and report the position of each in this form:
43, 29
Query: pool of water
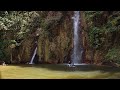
61, 71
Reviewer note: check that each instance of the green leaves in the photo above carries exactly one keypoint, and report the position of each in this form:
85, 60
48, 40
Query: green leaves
104, 32
3, 45
102, 26
94, 36
113, 54
91, 14
17, 25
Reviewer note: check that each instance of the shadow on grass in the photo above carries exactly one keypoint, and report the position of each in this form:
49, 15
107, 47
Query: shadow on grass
60, 67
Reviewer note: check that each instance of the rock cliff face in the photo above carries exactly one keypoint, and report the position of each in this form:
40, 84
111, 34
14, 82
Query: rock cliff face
55, 40
90, 55
52, 32
56, 48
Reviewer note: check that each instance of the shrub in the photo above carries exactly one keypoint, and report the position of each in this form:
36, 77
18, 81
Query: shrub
113, 55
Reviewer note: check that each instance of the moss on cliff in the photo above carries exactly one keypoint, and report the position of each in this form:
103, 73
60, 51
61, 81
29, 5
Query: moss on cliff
103, 33
58, 40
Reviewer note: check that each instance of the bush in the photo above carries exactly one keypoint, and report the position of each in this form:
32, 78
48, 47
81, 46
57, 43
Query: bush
113, 55
95, 37
3, 54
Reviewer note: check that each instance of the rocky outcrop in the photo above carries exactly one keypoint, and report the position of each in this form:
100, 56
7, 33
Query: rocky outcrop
55, 40
55, 48
90, 54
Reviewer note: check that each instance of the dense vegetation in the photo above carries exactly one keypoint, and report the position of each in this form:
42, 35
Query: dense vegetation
16, 27
104, 28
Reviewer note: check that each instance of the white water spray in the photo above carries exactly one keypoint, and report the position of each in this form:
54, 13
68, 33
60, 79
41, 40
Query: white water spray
35, 51
77, 49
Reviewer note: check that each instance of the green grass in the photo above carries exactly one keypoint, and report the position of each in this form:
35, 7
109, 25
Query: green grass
48, 71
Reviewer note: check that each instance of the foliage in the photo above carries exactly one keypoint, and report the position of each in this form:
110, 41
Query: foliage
104, 32
113, 54
14, 26
17, 25
50, 22
94, 36
3, 54
101, 24
20, 22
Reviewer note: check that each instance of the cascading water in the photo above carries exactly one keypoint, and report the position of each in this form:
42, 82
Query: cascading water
77, 49
35, 51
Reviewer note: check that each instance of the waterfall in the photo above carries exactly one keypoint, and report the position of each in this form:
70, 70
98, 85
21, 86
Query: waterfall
35, 51
77, 48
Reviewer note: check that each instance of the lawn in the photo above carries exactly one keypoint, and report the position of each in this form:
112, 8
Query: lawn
48, 71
